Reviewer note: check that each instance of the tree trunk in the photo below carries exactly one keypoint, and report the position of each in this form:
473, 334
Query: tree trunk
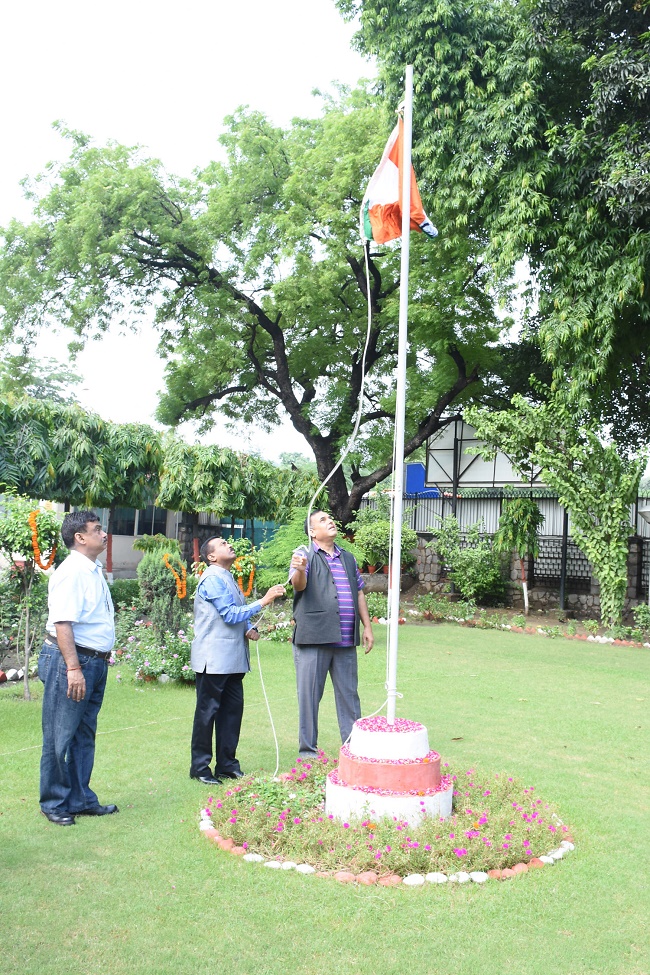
27, 643
524, 586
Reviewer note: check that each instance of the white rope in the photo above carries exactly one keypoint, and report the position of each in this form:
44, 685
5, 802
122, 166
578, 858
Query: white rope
353, 438
268, 708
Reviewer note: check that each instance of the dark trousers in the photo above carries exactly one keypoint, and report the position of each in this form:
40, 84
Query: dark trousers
219, 711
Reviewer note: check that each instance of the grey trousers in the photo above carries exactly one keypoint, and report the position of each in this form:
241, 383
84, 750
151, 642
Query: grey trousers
313, 664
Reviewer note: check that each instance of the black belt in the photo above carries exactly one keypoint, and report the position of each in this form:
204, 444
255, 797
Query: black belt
87, 651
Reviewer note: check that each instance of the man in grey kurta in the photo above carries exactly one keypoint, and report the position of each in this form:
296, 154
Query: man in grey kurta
220, 659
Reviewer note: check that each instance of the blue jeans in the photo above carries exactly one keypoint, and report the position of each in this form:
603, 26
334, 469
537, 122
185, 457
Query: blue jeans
69, 732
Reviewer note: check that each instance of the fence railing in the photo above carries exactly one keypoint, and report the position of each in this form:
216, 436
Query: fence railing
424, 512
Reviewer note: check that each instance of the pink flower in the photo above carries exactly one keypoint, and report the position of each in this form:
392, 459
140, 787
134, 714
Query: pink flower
460, 851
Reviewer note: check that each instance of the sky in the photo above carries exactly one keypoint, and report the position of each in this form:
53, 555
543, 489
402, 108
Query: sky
163, 76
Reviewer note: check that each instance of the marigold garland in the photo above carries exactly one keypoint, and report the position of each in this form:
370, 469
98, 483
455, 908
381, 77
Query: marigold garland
33, 515
180, 580
240, 578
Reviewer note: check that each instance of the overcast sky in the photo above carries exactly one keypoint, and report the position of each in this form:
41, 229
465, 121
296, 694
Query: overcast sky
161, 75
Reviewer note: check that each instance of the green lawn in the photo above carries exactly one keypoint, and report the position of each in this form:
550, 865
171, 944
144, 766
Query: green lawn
144, 892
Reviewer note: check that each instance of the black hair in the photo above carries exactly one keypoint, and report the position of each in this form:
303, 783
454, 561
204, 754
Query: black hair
307, 524
76, 521
205, 548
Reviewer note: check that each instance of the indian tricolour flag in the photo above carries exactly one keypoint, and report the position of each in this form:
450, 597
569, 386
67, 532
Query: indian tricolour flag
381, 210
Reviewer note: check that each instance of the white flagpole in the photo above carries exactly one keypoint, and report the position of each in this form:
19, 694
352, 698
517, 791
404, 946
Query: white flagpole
400, 400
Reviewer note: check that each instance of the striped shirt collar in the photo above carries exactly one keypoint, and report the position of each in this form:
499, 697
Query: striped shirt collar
317, 548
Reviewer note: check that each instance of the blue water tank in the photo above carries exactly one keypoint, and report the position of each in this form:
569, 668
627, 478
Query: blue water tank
415, 475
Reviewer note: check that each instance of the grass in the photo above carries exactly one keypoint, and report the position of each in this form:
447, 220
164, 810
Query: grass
144, 892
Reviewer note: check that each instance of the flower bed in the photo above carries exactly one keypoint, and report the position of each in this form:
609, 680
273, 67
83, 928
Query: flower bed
498, 827
152, 656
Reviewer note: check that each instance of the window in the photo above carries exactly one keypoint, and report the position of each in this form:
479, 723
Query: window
152, 521
124, 521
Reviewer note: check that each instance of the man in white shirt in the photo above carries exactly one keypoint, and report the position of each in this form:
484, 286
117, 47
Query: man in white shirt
73, 665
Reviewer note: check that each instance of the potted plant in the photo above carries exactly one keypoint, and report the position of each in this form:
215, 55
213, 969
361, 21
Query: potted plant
373, 540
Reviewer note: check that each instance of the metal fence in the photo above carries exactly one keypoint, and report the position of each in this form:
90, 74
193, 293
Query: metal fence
423, 513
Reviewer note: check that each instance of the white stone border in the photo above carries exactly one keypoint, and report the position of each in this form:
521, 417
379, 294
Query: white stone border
411, 880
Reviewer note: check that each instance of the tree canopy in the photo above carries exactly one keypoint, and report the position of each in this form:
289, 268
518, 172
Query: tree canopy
256, 275
593, 481
23, 375
533, 125
63, 453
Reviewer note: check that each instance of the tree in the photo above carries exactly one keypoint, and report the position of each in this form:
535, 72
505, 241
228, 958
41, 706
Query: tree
518, 530
196, 477
28, 540
592, 480
25, 450
22, 375
534, 132
68, 454
257, 276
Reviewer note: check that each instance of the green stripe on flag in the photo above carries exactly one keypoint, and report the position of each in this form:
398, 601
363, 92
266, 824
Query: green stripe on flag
367, 226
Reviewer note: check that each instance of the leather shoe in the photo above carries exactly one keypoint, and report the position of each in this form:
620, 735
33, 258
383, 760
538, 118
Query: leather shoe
98, 810
59, 818
206, 779
235, 774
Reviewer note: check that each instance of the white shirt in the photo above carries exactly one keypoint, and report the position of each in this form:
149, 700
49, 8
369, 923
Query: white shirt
78, 594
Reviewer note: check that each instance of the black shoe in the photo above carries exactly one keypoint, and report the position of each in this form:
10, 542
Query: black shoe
98, 810
59, 818
235, 774
206, 779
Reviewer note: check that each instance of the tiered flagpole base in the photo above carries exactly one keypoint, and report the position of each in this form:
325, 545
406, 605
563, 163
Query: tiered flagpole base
388, 770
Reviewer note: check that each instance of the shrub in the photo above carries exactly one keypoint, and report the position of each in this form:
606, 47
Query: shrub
473, 565
245, 567
276, 625
151, 654
275, 556
377, 604
159, 597
125, 592
157, 543
641, 615
12, 605
373, 541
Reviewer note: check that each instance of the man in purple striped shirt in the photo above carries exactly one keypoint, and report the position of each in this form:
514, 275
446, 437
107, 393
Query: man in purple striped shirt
328, 605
